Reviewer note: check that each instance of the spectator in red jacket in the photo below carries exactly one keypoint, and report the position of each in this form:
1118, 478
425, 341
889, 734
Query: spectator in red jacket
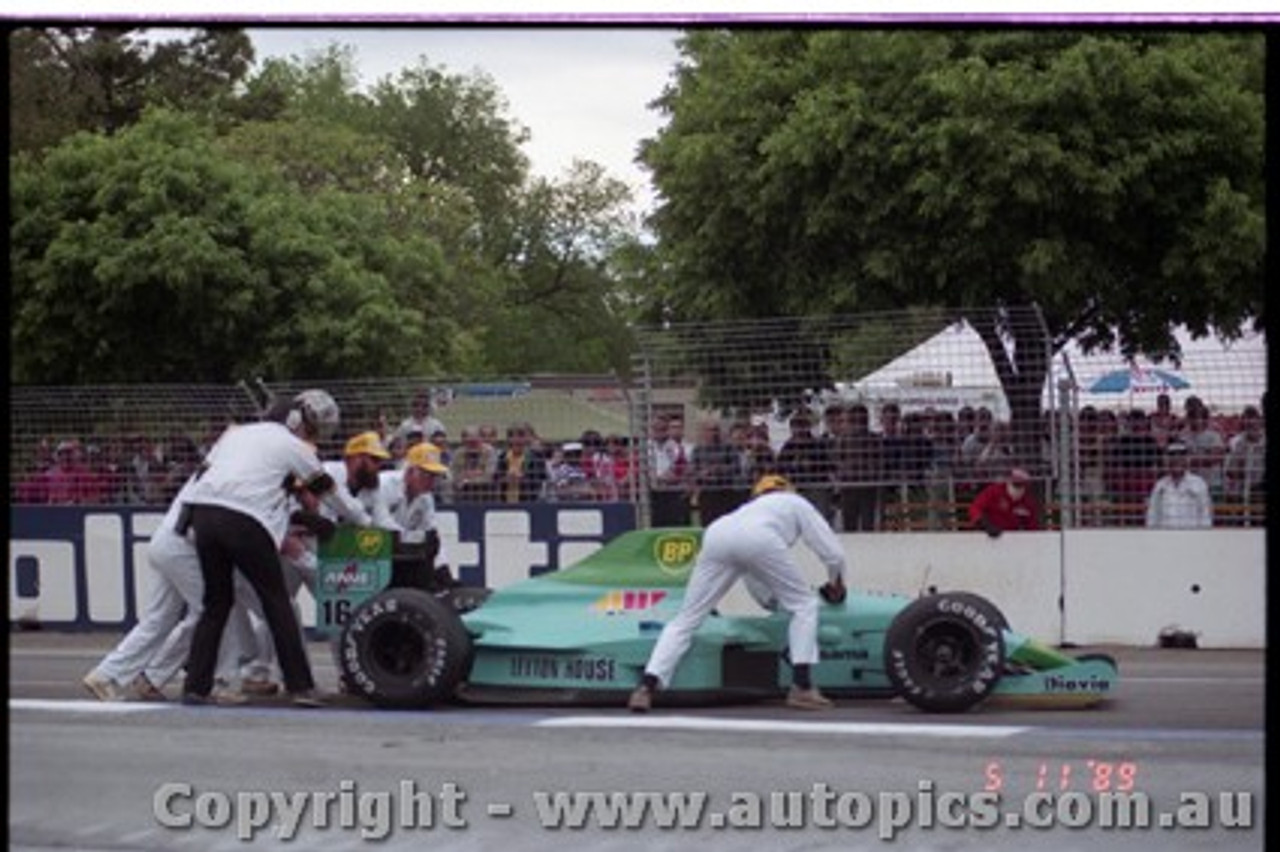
1006, 505
69, 480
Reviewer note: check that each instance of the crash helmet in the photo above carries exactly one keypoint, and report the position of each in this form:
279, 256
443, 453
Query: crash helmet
771, 482
313, 414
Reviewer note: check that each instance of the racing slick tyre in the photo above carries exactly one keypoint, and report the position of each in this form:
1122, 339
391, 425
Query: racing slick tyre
335, 648
404, 649
978, 600
944, 653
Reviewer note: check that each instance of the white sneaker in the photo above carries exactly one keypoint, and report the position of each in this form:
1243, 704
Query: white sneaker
808, 699
103, 688
226, 695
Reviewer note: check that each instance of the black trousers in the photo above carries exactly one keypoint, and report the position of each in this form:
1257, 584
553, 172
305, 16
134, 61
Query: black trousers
227, 540
669, 508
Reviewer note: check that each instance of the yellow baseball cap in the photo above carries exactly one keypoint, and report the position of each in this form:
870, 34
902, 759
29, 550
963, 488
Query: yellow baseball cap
425, 456
366, 444
771, 482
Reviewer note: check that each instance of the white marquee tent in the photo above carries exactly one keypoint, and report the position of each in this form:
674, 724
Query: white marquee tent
953, 368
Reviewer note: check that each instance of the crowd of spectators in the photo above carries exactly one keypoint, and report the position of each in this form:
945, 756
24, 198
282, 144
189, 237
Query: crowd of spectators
857, 463
133, 471
1122, 458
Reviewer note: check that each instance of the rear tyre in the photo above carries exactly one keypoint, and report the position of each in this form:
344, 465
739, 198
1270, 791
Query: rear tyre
944, 653
404, 649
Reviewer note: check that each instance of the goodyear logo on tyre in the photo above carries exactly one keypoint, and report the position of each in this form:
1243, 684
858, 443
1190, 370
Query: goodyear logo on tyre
675, 553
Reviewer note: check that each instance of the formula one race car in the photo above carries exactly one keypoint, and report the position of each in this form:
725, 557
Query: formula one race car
582, 635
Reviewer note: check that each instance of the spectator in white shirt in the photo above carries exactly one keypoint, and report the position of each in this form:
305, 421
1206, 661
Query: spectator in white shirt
1180, 499
1247, 458
670, 472
421, 420
1206, 448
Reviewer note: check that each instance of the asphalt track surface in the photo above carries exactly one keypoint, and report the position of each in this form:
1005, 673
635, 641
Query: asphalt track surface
1185, 731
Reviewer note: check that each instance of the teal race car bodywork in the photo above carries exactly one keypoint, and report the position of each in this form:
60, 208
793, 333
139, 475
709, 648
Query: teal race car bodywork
582, 635
586, 632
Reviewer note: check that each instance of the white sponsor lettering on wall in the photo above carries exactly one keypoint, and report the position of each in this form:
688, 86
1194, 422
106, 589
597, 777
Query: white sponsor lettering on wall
1119, 586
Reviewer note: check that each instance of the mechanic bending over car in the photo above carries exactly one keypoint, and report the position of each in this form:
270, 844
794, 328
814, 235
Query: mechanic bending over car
239, 509
356, 483
357, 487
410, 497
401, 500
153, 651
752, 542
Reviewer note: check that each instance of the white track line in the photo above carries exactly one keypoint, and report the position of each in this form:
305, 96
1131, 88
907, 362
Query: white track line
86, 706
662, 721
701, 723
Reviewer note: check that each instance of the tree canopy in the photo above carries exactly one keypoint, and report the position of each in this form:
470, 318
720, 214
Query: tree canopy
201, 223
178, 213
1114, 180
67, 79
155, 252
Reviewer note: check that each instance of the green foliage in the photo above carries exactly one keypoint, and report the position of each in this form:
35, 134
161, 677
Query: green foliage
153, 255
315, 155
452, 129
67, 79
558, 304
38, 87
287, 224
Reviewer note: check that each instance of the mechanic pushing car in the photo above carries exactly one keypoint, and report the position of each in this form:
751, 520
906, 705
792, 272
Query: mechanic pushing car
239, 510
753, 542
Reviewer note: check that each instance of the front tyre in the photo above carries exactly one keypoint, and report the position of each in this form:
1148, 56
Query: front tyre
944, 653
404, 649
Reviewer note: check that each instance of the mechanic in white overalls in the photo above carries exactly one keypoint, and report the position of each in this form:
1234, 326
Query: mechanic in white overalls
410, 498
356, 483
752, 543
158, 644
239, 509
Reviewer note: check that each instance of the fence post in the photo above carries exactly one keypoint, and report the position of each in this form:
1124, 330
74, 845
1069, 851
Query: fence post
1068, 454
640, 406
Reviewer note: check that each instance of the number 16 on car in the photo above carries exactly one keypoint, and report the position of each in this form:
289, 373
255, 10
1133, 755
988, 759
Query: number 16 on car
353, 566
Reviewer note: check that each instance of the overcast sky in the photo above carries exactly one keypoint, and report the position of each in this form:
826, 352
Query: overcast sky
581, 92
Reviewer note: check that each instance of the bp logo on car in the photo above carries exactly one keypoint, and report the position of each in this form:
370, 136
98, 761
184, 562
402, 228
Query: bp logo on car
675, 553
369, 542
